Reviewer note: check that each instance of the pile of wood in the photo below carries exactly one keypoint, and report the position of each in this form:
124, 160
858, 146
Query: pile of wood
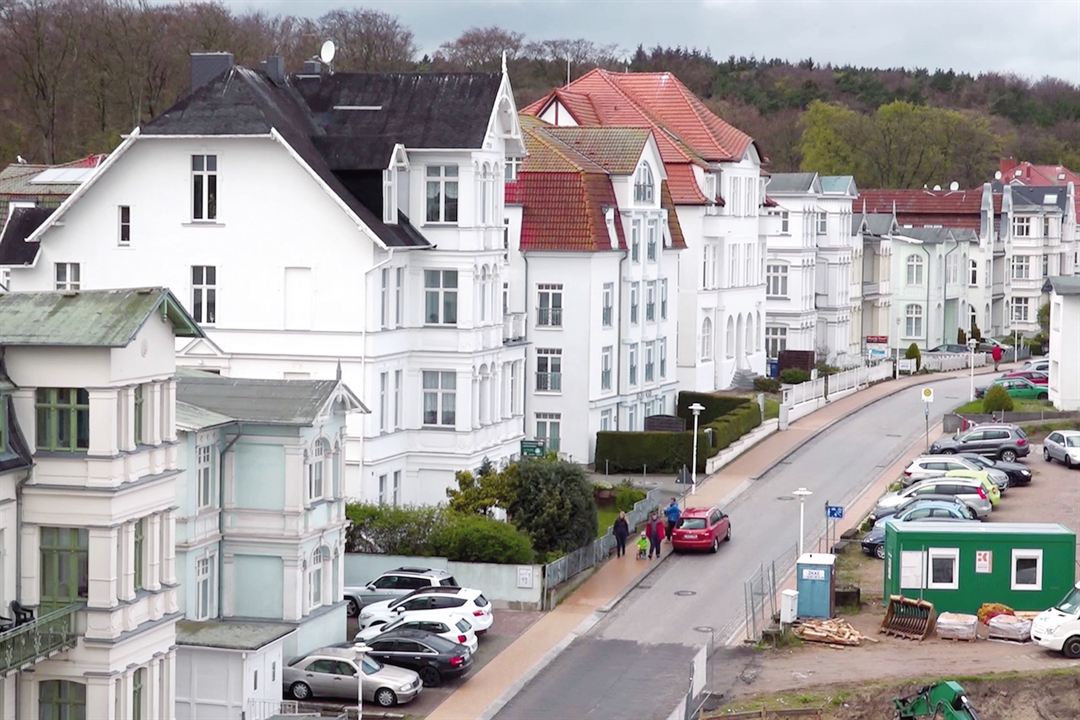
836, 631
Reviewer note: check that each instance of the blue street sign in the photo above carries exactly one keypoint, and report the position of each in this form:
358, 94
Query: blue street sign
834, 512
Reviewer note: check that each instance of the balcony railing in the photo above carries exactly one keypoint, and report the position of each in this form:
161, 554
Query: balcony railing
513, 327
549, 316
36, 640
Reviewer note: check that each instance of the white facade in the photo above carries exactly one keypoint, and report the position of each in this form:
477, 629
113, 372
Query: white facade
1064, 383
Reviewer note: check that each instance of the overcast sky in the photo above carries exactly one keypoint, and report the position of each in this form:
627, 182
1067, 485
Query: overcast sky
1031, 38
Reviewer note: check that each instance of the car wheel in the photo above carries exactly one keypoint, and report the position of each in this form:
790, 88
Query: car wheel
1046, 454
385, 697
1071, 648
430, 676
1068, 462
1042, 396
727, 535
715, 545
948, 451
1008, 455
879, 552
300, 691
354, 608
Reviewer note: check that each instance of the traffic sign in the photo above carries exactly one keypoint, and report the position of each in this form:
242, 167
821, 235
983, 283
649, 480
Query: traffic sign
928, 394
834, 512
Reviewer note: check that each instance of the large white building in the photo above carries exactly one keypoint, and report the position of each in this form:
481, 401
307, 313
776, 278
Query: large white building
1064, 383
594, 255
714, 174
317, 218
88, 467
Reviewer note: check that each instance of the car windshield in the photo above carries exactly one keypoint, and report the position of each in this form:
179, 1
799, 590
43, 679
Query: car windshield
1020, 432
392, 625
371, 666
1071, 604
693, 523
978, 460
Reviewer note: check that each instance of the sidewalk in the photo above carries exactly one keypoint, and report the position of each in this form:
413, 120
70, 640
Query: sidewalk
542, 642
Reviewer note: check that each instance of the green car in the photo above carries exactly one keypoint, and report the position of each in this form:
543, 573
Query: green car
1018, 388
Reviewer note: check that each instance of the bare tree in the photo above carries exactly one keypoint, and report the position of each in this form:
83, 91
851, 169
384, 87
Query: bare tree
480, 49
368, 40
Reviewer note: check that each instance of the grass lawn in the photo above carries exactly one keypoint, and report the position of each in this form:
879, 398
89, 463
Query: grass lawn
605, 516
1019, 405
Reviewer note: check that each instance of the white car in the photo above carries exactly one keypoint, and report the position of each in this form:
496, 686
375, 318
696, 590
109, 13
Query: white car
433, 602
1059, 627
930, 466
1063, 445
450, 625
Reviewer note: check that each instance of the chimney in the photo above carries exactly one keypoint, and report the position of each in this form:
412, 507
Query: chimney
207, 66
1006, 165
312, 67
274, 67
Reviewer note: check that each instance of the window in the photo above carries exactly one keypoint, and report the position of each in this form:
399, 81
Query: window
605, 367
440, 297
1045, 265
632, 364
1021, 227
663, 358
382, 489
1046, 227
442, 194
548, 370
822, 223
384, 298
124, 239
914, 270
204, 586
138, 682
650, 362
316, 577
608, 299
943, 565
634, 303
204, 187
913, 321
1021, 267
384, 390
3, 424
643, 185
663, 299
61, 700
631, 417
440, 398
510, 169
973, 273
706, 339
547, 429
63, 419
399, 296
64, 565
1020, 307
397, 488
485, 195
139, 408
68, 276
785, 222
775, 340
776, 280
315, 470
203, 455
653, 232
650, 301
397, 399
635, 241
549, 306
605, 420
138, 559
204, 294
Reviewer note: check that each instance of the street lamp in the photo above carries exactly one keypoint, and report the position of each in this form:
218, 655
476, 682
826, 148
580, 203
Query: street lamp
696, 408
971, 382
362, 650
802, 494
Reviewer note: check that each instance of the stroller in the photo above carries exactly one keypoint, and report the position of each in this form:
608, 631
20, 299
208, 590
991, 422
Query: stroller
642, 547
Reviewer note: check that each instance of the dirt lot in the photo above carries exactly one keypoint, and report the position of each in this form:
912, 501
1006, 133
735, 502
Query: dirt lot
818, 674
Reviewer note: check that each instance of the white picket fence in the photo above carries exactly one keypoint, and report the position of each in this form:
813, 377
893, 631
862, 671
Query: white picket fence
804, 398
942, 362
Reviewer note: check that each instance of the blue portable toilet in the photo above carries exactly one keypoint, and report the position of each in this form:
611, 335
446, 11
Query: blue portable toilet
816, 582
773, 367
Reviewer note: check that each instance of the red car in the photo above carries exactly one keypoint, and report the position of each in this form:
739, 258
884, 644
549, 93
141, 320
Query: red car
1037, 378
701, 528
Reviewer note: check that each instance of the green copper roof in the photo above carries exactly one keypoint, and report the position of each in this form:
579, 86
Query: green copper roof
88, 318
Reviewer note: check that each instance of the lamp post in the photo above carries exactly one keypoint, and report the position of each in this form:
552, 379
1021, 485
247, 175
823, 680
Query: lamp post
802, 494
971, 381
696, 408
362, 650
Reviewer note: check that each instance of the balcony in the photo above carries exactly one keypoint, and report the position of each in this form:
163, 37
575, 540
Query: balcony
39, 639
513, 328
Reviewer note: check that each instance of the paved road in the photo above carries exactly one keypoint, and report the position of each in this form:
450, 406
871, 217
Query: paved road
836, 466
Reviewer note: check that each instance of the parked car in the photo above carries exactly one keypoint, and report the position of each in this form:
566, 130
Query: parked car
1002, 441
949, 348
701, 528
1038, 365
331, 673
1017, 473
433, 657
1019, 388
452, 627
1063, 445
968, 490
432, 602
395, 583
1058, 628
927, 466
1039, 378
873, 543
992, 490
880, 513
988, 344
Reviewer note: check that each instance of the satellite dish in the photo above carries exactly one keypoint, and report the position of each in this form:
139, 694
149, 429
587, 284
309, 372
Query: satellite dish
326, 53
937, 187
954, 185
997, 174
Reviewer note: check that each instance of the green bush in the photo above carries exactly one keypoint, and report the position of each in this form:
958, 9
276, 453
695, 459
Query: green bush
653, 450
976, 334
997, 399
715, 405
554, 505
626, 496
823, 368
913, 353
475, 538
766, 384
794, 376
961, 336
392, 530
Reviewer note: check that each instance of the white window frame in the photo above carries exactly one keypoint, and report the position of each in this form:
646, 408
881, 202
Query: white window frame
914, 269
384, 298
650, 301
398, 381
650, 362
707, 331
914, 319
973, 273
1021, 227
315, 579
547, 422
549, 370
384, 400
775, 340
644, 186
444, 388
204, 579
67, 276
204, 474
1020, 267
822, 223
652, 234
123, 219
605, 420
663, 358
1020, 309
399, 296
607, 311
635, 241
204, 294
634, 291
949, 553
442, 178
606, 361
316, 477
776, 280
549, 315
632, 364
663, 299
442, 292
201, 210
382, 480
785, 222
396, 488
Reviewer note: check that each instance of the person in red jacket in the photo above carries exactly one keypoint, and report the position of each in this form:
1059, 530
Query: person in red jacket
996, 353
655, 531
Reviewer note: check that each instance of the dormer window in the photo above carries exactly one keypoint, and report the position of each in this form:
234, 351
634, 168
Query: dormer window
510, 169
644, 188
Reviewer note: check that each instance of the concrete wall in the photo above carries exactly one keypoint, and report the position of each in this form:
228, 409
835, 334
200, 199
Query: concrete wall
499, 583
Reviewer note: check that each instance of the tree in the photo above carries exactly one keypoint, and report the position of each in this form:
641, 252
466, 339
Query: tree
554, 505
830, 139
913, 353
471, 538
1044, 318
489, 488
368, 40
480, 49
961, 336
997, 399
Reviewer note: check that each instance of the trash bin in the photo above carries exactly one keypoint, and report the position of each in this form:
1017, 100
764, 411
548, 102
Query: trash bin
816, 583
774, 368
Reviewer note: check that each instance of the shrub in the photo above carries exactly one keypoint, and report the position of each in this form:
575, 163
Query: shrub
766, 384
630, 451
715, 405
976, 334
554, 505
794, 376
961, 336
392, 530
626, 496
913, 353
996, 399
475, 538
825, 368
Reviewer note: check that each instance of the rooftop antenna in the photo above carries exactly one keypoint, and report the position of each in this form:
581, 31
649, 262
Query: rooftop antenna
326, 53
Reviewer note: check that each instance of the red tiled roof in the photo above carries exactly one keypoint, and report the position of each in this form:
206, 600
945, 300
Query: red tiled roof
678, 241
580, 106
565, 211
948, 208
617, 150
684, 186
1031, 174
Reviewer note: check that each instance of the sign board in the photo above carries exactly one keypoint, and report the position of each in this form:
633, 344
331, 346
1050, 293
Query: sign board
877, 347
928, 394
906, 365
532, 448
524, 576
984, 561
813, 574
834, 512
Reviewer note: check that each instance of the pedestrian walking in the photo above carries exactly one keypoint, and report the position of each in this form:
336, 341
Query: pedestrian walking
996, 353
672, 513
621, 530
656, 535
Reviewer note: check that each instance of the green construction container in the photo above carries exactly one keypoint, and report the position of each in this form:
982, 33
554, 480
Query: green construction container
959, 566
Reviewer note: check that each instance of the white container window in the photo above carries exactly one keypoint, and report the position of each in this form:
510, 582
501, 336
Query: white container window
1026, 571
943, 568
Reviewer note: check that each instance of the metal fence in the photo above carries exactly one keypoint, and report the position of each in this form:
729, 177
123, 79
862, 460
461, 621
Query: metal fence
760, 592
559, 571
35, 640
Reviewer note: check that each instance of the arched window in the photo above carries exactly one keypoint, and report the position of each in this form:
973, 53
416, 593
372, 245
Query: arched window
61, 699
913, 321
914, 270
706, 339
644, 190
320, 455
730, 349
315, 576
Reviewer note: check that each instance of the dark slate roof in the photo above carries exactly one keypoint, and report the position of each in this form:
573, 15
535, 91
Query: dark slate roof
266, 402
242, 101
934, 235
1028, 195
20, 223
790, 183
877, 224
1063, 285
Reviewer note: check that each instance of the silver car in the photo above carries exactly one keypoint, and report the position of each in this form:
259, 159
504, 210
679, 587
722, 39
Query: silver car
967, 490
393, 584
331, 673
1063, 445
928, 466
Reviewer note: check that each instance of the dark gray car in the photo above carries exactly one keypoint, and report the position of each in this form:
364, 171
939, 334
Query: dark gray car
1005, 442
1017, 473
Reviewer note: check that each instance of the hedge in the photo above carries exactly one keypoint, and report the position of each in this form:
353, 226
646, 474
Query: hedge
475, 538
731, 427
656, 451
715, 405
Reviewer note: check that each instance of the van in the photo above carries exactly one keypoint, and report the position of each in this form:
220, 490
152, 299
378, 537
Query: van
1059, 627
